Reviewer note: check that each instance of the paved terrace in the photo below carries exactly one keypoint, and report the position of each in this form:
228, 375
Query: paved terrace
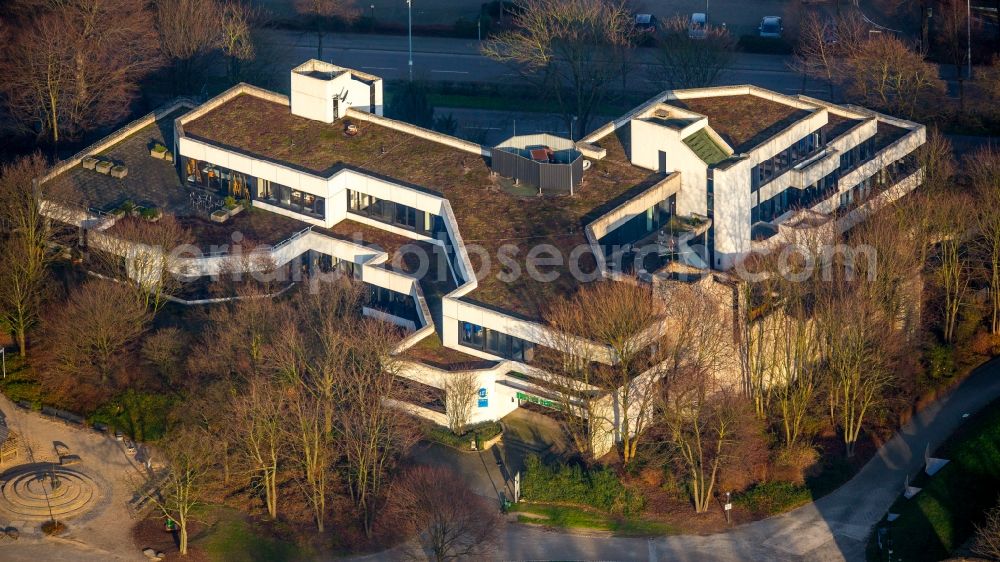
150, 182
156, 183
487, 215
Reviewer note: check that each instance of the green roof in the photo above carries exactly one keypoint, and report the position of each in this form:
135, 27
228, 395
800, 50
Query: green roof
706, 148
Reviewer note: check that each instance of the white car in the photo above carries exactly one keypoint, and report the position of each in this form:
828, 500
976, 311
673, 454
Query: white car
697, 27
770, 26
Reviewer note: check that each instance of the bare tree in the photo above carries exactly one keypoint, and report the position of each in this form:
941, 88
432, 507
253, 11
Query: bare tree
952, 268
703, 424
451, 522
88, 336
573, 49
860, 347
147, 250
189, 32
165, 350
259, 428
314, 447
983, 167
321, 12
25, 238
189, 461
72, 66
887, 74
460, 398
755, 339
692, 63
237, 339
236, 28
987, 540
623, 345
369, 430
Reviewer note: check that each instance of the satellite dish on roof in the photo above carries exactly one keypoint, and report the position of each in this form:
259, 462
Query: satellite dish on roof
586, 164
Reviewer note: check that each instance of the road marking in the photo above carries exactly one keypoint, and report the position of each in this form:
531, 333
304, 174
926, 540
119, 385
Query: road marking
451, 71
652, 551
379, 67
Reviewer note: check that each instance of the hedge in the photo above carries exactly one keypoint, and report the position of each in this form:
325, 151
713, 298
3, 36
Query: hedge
598, 487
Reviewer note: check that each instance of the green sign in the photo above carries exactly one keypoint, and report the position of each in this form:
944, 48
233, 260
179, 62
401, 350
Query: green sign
538, 400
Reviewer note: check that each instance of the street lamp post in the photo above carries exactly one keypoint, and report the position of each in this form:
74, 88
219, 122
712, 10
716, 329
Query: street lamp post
968, 32
409, 17
373, 14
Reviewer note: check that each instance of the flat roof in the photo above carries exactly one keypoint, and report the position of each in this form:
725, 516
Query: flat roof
150, 182
430, 351
487, 215
743, 120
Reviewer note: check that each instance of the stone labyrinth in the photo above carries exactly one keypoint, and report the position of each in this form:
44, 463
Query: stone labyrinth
44, 490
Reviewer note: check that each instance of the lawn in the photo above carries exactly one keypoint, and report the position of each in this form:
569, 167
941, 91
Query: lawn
942, 516
570, 517
231, 538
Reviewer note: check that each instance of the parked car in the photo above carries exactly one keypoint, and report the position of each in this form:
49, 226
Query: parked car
697, 27
645, 22
770, 26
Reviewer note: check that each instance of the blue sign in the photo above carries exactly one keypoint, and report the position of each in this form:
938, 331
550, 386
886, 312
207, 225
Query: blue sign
484, 402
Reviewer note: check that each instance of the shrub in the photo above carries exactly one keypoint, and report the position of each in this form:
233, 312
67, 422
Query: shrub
940, 361
159, 148
143, 416
774, 497
598, 487
148, 212
985, 343
483, 430
230, 202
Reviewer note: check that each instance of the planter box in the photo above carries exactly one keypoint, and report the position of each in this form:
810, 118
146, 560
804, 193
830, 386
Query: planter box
223, 214
89, 162
158, 154
119, 171
168, 156
103, 167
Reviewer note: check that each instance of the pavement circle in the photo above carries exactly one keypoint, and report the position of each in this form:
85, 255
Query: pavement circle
42, 491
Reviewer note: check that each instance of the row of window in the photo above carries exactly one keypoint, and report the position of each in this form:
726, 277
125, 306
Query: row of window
794, 198
784, 160
882, 179
855, 156
291, 199
640, 226
391, 302
390, 212
492, 341
222, 181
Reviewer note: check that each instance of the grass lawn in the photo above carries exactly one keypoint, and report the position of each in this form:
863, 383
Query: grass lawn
231, 538
942, 516
568, 517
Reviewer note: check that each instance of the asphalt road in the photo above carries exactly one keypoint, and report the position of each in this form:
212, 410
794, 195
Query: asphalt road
459, 60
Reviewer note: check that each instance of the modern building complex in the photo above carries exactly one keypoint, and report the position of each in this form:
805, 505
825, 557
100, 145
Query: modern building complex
465, 246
